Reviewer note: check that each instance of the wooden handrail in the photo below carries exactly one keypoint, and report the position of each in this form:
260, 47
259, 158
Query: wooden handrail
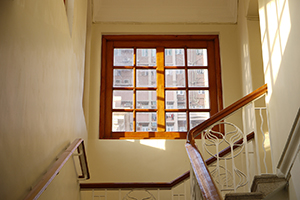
41, 186
226, 112
162, 185
205, 181
206, 184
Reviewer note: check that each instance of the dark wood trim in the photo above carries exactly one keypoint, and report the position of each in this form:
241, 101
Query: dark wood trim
159, 37
42, 185
161, 185
227, 111
160, 42
102, 91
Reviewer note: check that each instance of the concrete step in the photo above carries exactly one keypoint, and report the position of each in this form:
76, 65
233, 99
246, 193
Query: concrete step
263, 187
268, 184
246, 195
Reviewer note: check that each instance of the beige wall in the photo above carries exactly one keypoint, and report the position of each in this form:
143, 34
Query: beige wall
252, 78
280, 29
41, 87
116, 160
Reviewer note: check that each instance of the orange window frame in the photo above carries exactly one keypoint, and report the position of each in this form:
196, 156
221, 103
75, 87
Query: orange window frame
160, 42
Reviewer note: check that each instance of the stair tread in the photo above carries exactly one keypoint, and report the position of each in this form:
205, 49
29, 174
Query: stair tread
267, 183
244, 195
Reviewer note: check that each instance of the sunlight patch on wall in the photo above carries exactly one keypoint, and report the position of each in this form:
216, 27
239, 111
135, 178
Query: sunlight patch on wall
285, 25
272, 21
276, 59
159, 144
275, 25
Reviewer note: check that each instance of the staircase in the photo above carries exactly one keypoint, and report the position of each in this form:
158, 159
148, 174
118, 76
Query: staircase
263, 187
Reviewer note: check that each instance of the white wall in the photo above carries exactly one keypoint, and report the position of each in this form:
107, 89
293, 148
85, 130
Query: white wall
121, 160
280, 29
41, 87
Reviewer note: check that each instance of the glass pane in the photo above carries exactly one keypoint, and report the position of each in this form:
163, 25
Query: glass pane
123, 78
175, 99
199, 99
197, 118
146, 121
175, 121
198, 77
146, 57
146, 78
146, 99
175, 78
123, 57
122, 99
174, 57
122, 121
197, 57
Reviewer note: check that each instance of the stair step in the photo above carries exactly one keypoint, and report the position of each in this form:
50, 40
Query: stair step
245, 195
268, 184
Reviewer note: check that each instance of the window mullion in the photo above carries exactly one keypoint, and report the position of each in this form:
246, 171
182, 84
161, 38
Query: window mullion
134, 91
160, 90
187, 90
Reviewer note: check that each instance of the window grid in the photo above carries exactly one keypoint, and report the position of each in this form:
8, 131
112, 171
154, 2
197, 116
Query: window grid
160, 58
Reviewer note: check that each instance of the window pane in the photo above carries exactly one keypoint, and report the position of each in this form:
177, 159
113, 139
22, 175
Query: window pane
122, 99
122, 121
146, 121
175, 121
197, 118
198, 99
174, 57
146, 78
198, 77
146, 99
197, 57
146, 57
123, 78
123, 57
175, 99
175, 78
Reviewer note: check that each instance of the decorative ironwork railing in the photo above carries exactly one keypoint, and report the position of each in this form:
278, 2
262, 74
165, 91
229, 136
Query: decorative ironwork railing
175, 190
232, 172
224, 175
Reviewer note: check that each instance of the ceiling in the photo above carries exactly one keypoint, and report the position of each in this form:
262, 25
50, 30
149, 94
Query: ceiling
165, 11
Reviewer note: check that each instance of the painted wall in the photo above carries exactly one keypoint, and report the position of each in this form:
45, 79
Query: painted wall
252, 78
171, 11
150, 160
41, 87
280, 29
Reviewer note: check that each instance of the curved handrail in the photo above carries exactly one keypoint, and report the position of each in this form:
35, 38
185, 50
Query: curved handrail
226, 112
202, 175
41, 186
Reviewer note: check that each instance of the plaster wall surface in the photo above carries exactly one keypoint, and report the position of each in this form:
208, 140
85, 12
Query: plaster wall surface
150, 160
279, 25
41, 87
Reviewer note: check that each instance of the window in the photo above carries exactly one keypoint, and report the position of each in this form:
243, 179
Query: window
163, 94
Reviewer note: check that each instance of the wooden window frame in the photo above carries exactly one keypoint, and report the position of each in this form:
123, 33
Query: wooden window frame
109, 42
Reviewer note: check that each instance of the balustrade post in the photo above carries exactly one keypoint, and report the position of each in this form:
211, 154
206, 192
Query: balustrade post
246, 149
256, 140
